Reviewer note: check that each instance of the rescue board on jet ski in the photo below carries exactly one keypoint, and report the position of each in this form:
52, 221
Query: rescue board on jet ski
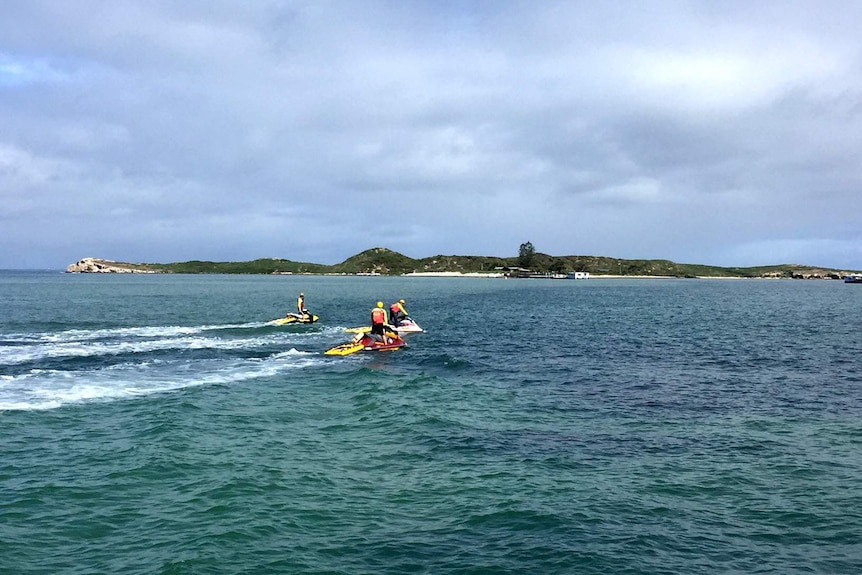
406, 327
367, 343
293, 318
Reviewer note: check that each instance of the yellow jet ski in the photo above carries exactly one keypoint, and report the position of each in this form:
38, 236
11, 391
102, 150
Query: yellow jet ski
295, 318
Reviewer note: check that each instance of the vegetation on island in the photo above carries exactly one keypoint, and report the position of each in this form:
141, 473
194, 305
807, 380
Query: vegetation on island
528, 262
525, 255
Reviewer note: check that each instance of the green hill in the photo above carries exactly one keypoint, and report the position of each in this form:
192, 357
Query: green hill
376, 260
259, 266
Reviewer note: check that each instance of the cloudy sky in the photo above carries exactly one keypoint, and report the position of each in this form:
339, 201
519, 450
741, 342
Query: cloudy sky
725, 133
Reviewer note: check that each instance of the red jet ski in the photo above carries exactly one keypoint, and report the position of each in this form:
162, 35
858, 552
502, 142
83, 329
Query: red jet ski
368, 342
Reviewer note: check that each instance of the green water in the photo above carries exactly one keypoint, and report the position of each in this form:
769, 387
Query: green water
156, 424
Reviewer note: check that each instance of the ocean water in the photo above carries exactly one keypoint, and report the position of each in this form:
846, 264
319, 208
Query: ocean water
157, 424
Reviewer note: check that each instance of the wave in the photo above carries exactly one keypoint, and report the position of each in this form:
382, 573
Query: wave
18, 349
80, 349
446, 362
49, 389
119, 332
44, 371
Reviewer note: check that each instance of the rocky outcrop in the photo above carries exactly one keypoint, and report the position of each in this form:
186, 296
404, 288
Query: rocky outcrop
99, 266
816, 274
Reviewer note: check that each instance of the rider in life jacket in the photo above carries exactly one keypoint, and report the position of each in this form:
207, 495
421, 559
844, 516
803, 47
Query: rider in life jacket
379, 321
397, 313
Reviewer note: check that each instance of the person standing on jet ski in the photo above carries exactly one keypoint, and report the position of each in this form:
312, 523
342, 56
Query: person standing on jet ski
300, 307
397, 313
379, 322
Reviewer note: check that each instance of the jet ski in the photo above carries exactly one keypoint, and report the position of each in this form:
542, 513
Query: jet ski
368, 342
294, 318
406, 325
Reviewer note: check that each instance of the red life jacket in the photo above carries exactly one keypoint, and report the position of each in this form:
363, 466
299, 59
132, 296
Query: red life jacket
378, 316
393, 309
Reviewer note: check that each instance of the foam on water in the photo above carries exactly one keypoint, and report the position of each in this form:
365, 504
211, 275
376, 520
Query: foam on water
92, 343
142, 331
139, 373
49, 389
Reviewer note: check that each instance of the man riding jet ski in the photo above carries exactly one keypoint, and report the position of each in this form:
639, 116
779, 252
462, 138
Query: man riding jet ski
381, 336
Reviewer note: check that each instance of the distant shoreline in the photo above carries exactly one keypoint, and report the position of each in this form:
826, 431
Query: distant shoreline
383, 262
592, 276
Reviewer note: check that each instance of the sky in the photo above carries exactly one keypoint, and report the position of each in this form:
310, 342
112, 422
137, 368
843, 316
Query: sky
722, 133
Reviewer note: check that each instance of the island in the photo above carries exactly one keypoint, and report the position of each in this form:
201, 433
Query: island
383, 261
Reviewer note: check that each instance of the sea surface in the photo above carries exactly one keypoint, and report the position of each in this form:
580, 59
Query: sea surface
155, 424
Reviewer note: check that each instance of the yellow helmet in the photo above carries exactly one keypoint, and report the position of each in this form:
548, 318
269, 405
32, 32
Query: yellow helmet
302, 294
401, 301
380, 304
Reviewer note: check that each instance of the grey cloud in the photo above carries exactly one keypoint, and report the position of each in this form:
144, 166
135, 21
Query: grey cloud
702, 132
